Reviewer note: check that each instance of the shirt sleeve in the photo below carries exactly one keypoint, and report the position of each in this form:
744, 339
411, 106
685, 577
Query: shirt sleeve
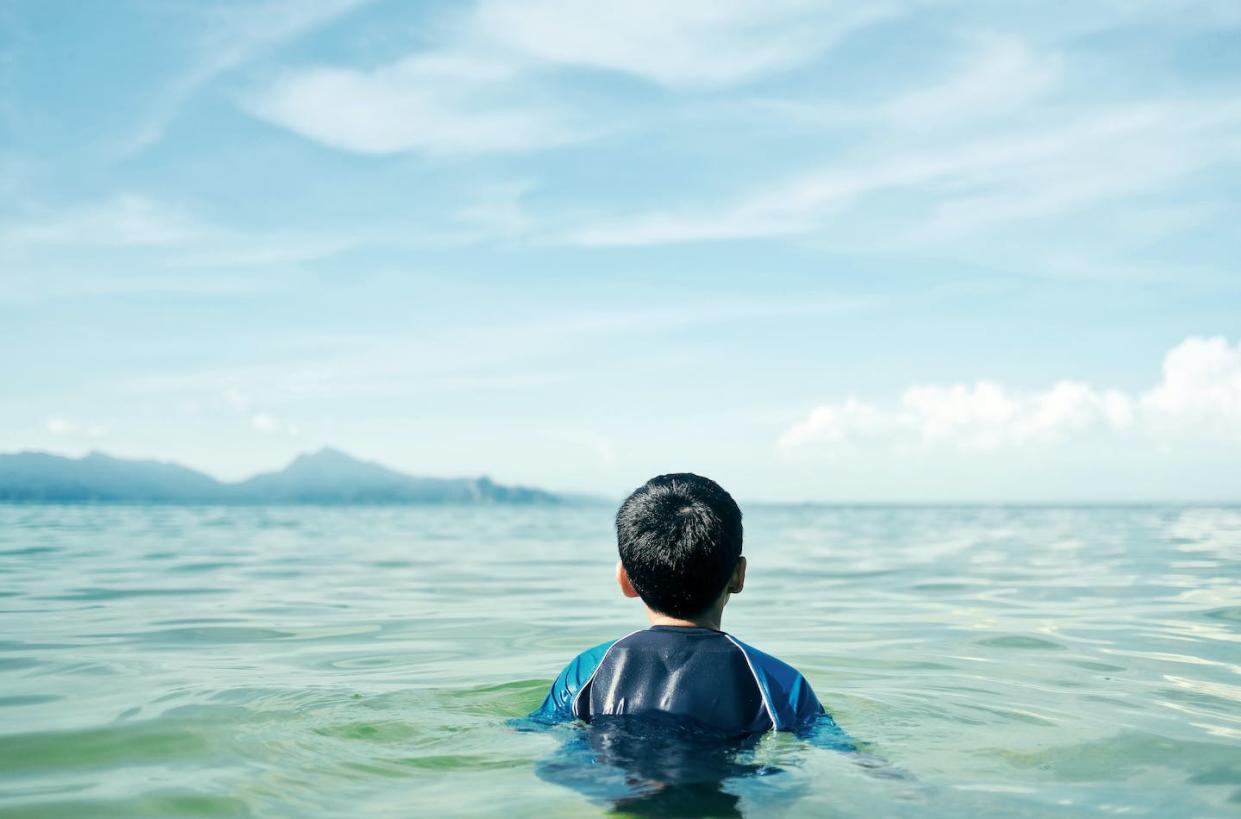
560, 703
792, 703
804, 706
808, 718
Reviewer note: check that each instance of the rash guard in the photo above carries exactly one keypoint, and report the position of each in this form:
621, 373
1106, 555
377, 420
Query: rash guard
707, 676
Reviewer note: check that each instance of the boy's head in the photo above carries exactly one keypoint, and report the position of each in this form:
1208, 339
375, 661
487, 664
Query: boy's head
679, 538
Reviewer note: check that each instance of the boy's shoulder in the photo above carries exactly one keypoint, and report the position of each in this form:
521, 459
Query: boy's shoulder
786, 692
767, 664
561, 701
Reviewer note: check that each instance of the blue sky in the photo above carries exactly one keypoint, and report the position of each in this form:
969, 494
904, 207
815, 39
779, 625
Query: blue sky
842, 252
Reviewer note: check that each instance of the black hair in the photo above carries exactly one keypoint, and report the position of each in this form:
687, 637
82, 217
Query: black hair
679, 538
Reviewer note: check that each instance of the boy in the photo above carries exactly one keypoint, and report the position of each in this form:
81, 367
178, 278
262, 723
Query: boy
679, 538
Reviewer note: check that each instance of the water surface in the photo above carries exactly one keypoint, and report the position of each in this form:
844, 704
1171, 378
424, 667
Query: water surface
348, 661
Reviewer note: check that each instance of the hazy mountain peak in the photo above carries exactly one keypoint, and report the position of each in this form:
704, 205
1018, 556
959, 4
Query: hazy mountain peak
327, 453
334, 465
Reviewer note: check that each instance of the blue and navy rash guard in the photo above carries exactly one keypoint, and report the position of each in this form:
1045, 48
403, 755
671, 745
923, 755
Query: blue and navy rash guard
705, 675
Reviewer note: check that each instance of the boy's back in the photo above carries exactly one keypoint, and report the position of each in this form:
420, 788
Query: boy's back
699, 674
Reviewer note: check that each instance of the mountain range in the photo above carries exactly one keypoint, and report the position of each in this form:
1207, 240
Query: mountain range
328, 476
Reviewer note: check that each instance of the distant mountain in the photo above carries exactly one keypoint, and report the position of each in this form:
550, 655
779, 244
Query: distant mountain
38, 476
331, 476
328, 476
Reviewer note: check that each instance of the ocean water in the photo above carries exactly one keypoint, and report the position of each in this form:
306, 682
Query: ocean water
165, 661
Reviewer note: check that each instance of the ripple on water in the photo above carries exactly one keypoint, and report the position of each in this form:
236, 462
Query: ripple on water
17, 645
1021, 641
220, 635
1095, 665
1229, 614
206, 566
18, 700
29, 551
1219, 775
106, 594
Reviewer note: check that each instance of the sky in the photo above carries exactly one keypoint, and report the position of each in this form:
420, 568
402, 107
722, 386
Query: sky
833, 252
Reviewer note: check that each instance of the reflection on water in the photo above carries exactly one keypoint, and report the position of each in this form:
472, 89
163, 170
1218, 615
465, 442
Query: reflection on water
651, 766
670, 765
664, 765
326, 662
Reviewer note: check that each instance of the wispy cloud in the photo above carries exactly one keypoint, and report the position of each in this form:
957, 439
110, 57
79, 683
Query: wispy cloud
1198, 398
439, 104
164, 247
993, 77
998, 75
688, 44
188, 240
485, 90
233, 34
496, 357
1005, 140
499, 210
968, 188
137, 221
125, 220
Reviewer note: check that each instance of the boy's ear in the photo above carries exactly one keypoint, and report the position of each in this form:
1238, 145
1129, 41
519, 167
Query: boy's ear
622, 579
737, 583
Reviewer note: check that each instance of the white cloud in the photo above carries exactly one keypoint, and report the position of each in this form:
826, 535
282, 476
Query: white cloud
240, 401
1199, 398
265, 423
271, 425
440, 104
1200, 390
58, 425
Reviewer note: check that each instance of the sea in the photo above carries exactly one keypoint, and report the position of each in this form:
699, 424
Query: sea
377, 661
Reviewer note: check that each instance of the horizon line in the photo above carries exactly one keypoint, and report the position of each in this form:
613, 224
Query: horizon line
589, 498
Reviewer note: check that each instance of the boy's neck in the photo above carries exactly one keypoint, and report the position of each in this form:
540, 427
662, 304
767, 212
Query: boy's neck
708, 619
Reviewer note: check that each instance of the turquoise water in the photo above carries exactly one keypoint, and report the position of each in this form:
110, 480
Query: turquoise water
346, 661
